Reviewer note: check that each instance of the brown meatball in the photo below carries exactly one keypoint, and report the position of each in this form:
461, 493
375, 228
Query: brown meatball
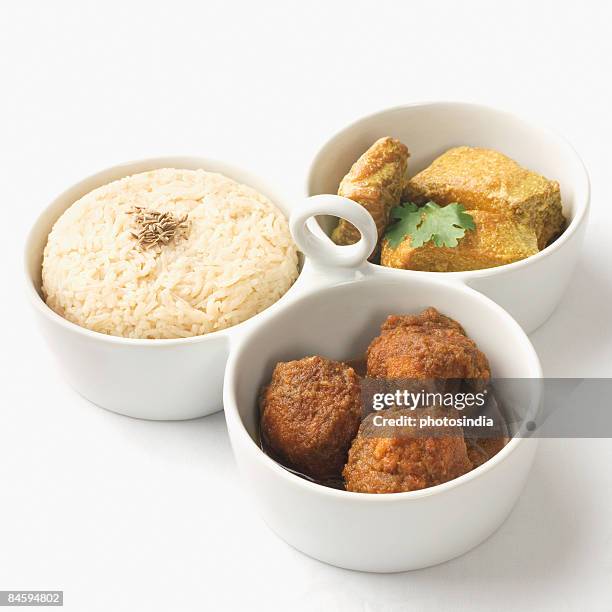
310, 412
429, 345
480, 450
400, 458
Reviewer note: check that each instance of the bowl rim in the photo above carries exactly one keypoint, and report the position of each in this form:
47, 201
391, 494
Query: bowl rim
278, 198
236, 425
582, 185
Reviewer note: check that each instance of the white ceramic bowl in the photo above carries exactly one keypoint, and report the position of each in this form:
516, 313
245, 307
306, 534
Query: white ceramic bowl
378, 533
109, 370
529, 289
334, 309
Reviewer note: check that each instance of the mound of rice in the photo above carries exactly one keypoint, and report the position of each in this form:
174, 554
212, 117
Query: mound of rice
237, 259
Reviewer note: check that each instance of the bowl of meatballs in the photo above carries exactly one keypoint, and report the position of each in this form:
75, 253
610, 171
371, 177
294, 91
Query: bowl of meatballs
325, 476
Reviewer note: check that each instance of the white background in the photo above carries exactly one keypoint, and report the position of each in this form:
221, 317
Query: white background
131, 515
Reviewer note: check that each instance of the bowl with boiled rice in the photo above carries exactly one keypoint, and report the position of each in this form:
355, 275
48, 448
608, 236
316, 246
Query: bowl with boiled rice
142, 274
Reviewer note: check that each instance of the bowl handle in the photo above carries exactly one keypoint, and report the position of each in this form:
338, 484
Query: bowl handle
318, 247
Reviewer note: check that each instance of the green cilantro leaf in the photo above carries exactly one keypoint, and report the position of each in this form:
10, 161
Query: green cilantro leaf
409, 216
443, 225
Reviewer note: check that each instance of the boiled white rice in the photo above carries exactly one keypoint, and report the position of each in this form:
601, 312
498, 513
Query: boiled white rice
237, 259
